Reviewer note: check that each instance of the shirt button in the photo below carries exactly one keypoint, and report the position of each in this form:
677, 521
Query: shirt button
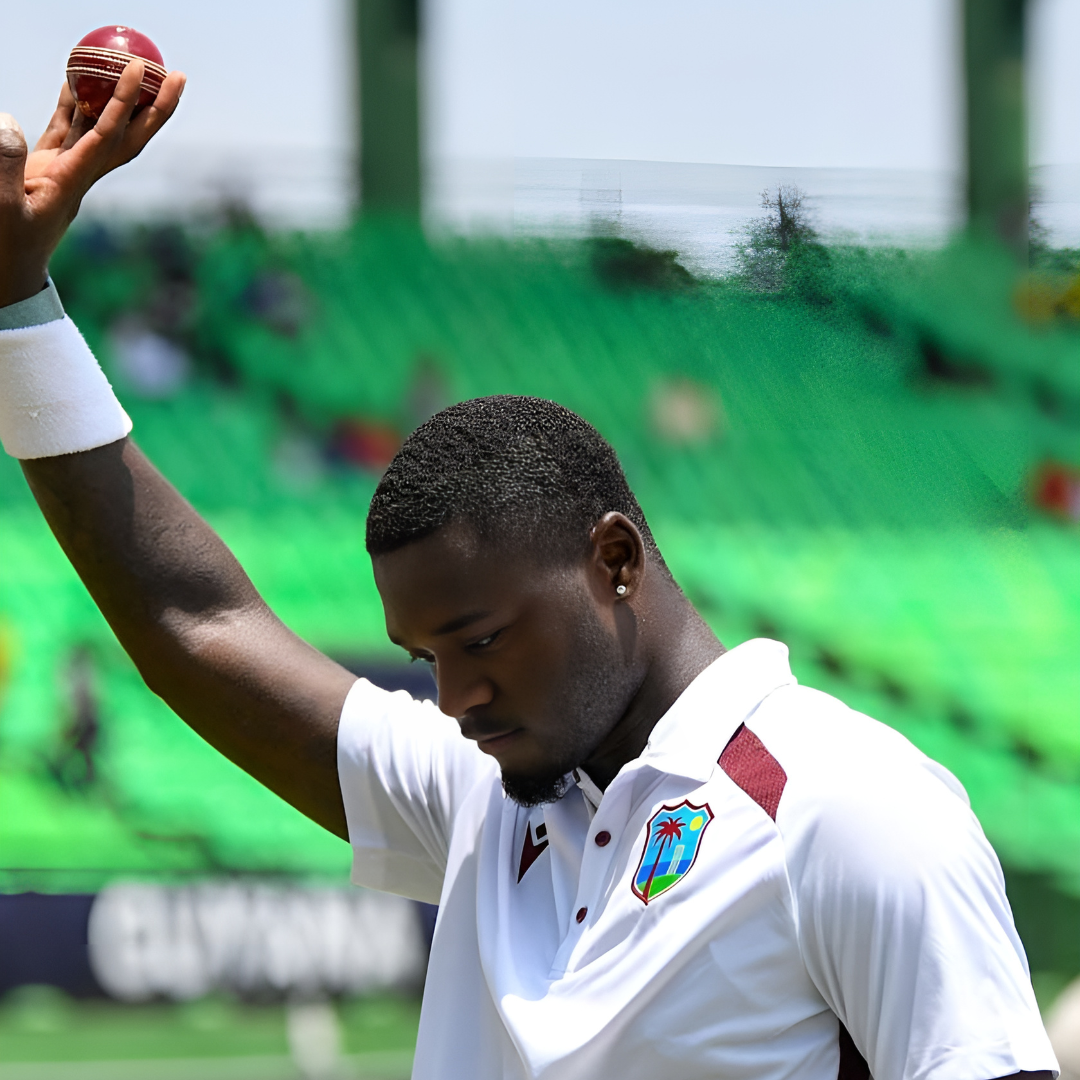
603, 838
582, 912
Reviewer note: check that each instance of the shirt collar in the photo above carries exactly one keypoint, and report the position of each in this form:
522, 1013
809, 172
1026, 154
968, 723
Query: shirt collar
691, 735
590, 790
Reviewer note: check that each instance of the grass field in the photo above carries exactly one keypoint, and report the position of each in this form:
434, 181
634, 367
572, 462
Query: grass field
44, 1034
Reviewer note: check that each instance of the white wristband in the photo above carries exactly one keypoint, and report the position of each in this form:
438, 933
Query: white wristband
54, 397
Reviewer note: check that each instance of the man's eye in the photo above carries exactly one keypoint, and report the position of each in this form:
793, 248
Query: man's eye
485, 641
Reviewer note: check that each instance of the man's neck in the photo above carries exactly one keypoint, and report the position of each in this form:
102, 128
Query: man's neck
681, 647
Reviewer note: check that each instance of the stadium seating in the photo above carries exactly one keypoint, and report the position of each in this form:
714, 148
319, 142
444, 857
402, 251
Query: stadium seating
846, 463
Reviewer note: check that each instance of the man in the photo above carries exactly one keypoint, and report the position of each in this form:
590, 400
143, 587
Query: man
652, 857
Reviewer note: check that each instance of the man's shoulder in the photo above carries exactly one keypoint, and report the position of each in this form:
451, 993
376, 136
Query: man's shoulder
827, 749
856, 793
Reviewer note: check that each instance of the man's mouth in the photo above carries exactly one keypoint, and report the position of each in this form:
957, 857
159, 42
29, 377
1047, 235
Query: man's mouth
492, 744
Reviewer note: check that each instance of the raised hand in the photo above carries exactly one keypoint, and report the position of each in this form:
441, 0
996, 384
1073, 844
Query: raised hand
40, 193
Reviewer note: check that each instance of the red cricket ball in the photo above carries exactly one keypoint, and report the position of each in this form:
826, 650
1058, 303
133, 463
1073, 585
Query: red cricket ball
98, 61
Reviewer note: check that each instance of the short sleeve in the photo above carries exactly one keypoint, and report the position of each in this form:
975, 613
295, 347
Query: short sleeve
906, 929
404, 771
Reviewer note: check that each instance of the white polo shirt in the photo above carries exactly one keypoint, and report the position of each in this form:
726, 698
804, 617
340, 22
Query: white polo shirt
772, 867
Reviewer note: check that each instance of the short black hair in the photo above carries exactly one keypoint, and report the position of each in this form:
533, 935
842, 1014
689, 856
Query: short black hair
512, 468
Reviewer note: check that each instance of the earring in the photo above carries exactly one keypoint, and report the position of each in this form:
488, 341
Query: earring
620, 590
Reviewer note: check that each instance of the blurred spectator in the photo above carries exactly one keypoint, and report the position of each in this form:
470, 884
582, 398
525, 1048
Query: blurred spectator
429, 392
685, 412
371, 444
95, 241
72, 766
299, 461
169, 248
171, 308
149, 364
1041, 299
1057, 490
280, 300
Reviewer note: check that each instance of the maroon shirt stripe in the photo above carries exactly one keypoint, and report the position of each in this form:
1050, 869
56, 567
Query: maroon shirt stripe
754, 769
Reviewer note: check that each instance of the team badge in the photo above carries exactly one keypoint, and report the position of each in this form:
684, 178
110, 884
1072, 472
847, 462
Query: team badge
674, 836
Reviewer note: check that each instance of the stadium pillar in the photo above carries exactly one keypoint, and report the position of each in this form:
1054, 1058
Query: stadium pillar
997, 167
388, 32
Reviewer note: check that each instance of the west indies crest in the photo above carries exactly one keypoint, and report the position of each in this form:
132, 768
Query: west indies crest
673, 838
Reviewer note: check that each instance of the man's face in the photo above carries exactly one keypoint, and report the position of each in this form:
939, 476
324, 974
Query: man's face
528, 659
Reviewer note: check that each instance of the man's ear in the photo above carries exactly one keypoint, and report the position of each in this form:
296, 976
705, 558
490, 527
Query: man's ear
618, 556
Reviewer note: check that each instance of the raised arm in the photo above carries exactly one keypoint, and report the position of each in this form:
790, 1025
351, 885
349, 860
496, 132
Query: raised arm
180, 604
199, 633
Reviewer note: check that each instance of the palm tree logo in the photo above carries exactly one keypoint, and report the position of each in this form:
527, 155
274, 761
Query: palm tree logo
668, 830
685, 824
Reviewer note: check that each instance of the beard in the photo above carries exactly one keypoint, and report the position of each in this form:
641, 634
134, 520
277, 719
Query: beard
593, 695
536, 790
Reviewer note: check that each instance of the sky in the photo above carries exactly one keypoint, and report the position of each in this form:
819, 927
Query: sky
817, 83
795, 82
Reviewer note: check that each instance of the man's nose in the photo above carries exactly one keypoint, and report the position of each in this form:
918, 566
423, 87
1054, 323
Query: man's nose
461, 690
